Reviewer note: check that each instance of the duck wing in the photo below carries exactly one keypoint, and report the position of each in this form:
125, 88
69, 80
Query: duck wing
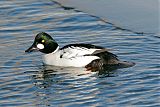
106, 57
76, 50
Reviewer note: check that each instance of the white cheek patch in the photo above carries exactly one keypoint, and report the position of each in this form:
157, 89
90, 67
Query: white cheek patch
40, 46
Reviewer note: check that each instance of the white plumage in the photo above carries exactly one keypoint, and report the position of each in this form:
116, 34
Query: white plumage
70, 56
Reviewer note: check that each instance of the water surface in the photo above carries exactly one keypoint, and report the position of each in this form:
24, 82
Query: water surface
24, 81
138, 15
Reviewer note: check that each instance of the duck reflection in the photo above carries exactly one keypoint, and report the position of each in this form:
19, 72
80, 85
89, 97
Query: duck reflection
44, 78
52, 82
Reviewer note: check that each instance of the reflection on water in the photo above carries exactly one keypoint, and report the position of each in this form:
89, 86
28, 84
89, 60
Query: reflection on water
24, 81
77, 89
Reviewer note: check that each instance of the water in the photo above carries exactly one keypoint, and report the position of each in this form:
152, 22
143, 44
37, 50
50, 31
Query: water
24, 81
129, 14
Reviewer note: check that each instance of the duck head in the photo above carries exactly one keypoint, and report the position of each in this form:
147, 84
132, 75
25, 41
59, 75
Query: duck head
44, 43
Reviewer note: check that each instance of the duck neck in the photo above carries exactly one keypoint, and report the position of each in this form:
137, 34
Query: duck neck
56, 49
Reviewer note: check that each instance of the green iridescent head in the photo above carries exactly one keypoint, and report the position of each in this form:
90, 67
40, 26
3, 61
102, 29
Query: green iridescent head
44, 43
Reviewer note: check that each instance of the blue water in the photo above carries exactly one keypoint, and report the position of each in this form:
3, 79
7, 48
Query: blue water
25, 82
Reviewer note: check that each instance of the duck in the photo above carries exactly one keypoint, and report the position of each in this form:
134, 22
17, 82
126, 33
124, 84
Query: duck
74, 55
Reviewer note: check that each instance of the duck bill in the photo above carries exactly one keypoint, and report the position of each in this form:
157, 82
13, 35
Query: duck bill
31, 49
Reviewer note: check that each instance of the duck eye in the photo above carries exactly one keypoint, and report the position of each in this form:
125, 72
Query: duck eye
43, 41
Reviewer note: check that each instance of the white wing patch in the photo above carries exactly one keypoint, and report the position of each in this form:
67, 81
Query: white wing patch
72, 52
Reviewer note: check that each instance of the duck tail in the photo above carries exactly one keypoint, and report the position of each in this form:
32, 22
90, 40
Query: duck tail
125, 64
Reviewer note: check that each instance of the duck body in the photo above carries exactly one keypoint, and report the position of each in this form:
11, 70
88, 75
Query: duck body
73, 55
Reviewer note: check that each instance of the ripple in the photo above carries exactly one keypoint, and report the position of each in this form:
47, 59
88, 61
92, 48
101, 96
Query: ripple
24, 81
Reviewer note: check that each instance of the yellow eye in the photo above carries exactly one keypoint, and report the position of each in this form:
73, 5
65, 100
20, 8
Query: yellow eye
42, 41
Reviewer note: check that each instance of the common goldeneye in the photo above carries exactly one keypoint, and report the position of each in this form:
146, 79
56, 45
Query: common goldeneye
74, 55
